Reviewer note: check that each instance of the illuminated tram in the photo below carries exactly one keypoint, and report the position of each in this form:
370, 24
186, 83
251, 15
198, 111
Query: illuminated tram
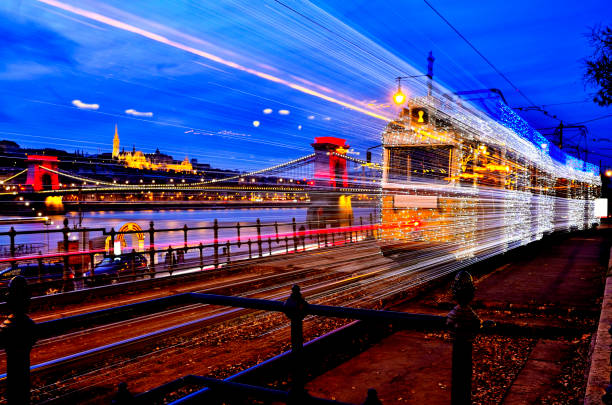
473, 186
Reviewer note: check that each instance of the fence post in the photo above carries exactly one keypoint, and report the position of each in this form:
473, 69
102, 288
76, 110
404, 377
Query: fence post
17, 337
276, 230
152, 247
65, 231
463, 324
371, 228
171, 261
295, 238
227, 247
133, 263
216, 242
238, 243
372, 398
185, 229
295, 309
12, 234
259, 246
112, 243
250, 250
201, 247
361, 227
92, 257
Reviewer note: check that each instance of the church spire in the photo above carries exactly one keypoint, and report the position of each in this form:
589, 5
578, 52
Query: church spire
116, 144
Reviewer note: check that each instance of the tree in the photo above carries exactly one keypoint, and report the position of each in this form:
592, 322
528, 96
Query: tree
599, 65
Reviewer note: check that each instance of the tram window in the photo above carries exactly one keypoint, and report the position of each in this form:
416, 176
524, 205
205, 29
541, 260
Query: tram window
398, 164
419, 163
561, 188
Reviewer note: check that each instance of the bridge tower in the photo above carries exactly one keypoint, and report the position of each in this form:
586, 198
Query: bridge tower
329, 168
327, 205
39, 178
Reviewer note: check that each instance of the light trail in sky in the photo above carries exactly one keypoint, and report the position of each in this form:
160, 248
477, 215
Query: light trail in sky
161, 39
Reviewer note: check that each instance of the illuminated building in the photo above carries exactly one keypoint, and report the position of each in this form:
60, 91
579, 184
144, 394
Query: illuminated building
152, 161
116, 144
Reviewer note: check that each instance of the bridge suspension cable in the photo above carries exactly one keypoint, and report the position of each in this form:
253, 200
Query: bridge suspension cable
13, 176
267, 169
375, 166
84, 179
295, 162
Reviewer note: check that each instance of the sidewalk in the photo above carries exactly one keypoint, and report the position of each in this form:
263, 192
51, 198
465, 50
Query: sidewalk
547, 288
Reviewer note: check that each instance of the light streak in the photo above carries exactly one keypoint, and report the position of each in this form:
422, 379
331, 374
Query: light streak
175, 44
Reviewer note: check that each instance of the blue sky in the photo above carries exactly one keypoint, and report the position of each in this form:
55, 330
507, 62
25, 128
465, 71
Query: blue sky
194, 77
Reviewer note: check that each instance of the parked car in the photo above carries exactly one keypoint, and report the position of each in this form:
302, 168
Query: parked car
113, 269
44, 279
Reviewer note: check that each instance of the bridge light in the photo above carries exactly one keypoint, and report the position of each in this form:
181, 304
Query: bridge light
608, 173
141, 180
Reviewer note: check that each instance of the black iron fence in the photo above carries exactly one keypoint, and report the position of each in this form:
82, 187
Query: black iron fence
18, 334
203, 247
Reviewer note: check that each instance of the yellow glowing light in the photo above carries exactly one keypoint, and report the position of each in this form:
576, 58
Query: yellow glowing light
608, 173
399, 97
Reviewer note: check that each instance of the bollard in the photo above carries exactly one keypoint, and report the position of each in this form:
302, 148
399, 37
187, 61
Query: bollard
17, 336
372, 398
295, 310
463, 324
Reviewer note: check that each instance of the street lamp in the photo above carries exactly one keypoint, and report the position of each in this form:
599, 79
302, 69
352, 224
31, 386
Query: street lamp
608, 173
399, 97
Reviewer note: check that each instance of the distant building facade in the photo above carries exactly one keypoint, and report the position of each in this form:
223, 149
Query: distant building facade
151, 161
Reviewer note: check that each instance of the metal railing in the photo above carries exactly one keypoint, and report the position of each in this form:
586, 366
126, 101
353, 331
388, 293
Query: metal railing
18, 334
225, 245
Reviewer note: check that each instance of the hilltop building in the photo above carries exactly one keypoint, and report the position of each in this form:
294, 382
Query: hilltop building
152, 161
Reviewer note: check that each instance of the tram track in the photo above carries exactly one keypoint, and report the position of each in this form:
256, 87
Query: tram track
344, 280
314, 287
